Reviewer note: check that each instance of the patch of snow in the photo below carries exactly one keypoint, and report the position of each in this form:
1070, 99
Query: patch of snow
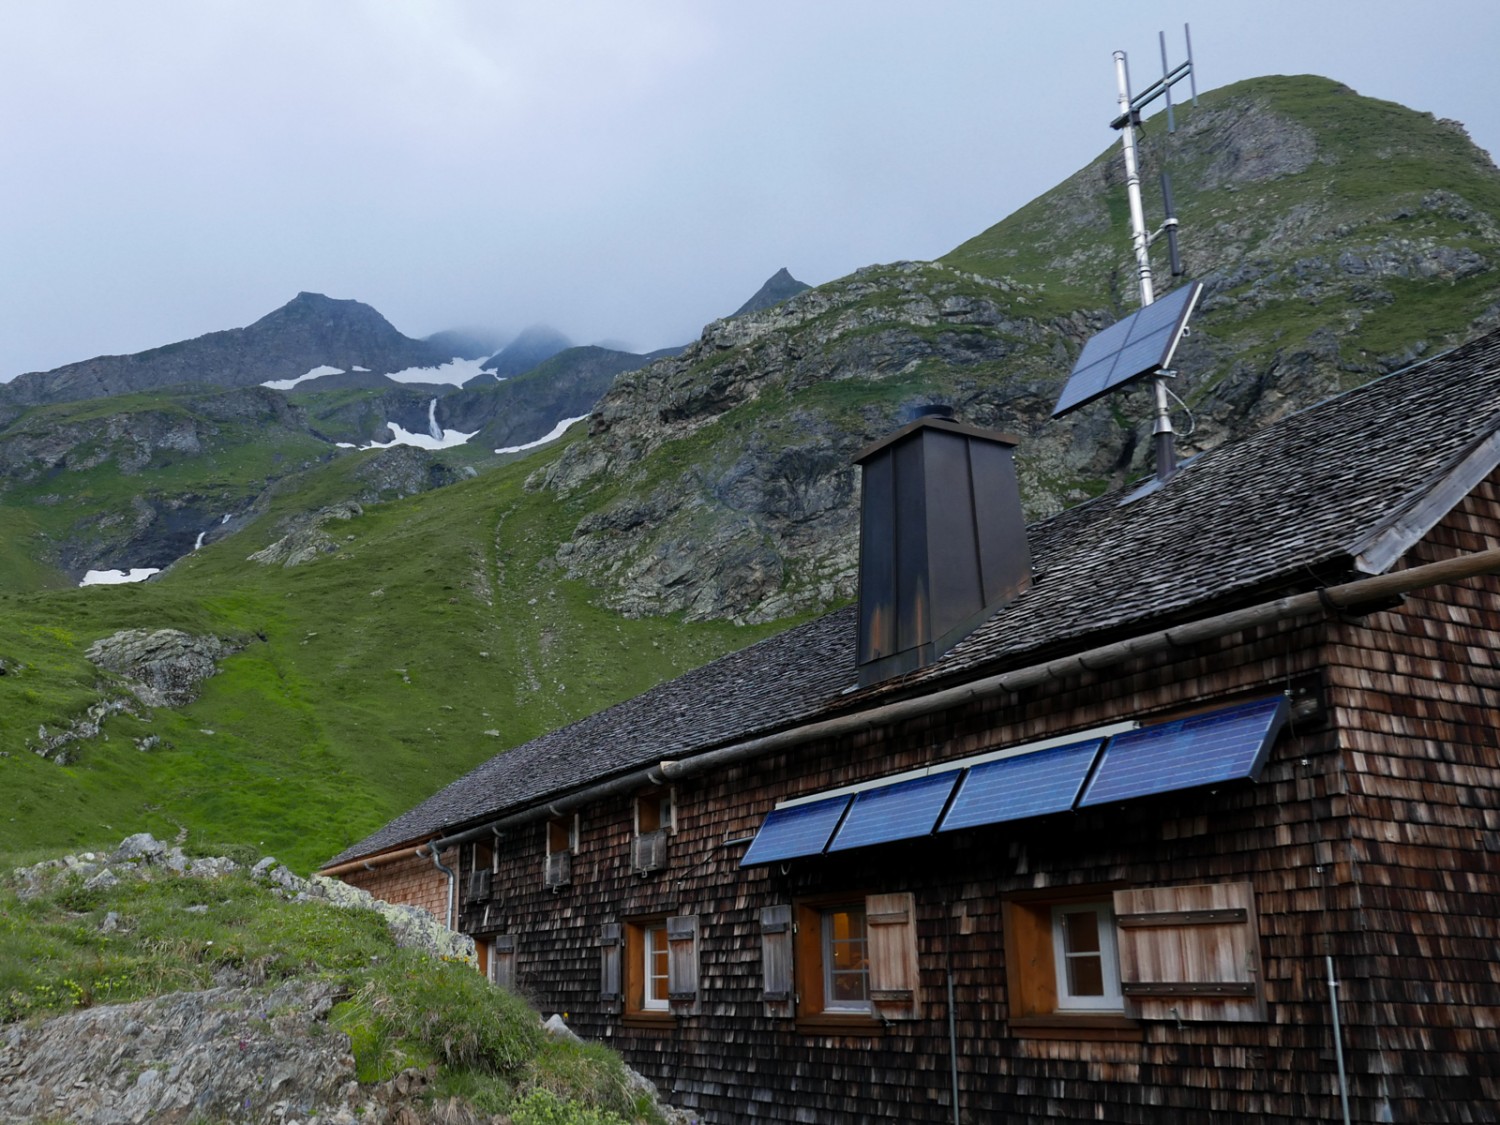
345, 445
448, 439
555, 433
288, 384
115, 577
457, 371
359, 369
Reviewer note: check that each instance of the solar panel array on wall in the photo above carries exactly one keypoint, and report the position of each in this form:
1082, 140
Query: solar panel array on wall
1211, 748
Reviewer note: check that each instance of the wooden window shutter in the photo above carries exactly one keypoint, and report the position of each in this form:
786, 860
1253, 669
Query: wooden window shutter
891, 921
682, 963
610, 943
1190, 953
503, 961
776, 960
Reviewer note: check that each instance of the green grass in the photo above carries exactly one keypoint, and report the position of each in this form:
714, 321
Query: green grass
400, 1008
370, 677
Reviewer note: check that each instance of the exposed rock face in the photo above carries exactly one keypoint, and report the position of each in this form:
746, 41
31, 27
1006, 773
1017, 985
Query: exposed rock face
721, 537
161, 522
309, 331
780, 286
163, 667
233, 1053
306, 540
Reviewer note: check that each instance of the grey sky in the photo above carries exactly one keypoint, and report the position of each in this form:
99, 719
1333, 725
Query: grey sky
621, 171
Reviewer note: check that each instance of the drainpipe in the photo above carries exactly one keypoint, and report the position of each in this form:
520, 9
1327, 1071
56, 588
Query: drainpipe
450, 921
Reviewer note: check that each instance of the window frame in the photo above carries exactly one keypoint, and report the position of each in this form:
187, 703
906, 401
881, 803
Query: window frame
1032, 968
893, 980
1111, 1001
653, 949
678, 951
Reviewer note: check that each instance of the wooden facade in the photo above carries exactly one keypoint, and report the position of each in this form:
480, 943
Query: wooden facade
1361, 867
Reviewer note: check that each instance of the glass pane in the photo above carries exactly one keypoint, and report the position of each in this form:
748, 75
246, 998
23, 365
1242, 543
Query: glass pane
846, 967
1086, 975
656, 963
1081, 931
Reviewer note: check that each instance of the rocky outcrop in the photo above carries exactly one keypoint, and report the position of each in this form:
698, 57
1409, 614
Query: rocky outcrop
305, 539
239, 1052
236, 1052
161, 667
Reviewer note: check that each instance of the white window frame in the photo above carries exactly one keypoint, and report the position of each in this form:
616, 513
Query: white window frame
825, 946
654, 941
1112, 1001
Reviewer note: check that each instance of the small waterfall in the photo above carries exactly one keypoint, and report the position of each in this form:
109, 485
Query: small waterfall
199, 541
432, 426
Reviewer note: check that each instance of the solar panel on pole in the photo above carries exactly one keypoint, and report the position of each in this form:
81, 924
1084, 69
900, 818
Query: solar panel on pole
1142, 344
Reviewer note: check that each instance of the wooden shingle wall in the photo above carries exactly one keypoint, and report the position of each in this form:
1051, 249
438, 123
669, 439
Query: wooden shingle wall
1417, 697
1373, 836
414, 881
733, 1062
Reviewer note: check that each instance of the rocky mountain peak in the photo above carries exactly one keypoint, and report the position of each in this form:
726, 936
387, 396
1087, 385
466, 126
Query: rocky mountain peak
780, 286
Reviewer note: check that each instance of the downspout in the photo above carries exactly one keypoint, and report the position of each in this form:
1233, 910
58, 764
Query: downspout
450, 921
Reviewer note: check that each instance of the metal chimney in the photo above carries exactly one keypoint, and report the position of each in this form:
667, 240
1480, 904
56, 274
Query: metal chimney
942, 541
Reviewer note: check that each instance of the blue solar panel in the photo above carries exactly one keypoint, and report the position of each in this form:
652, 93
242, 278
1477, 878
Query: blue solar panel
1207, 749
902, 811
796, 831
1141, 344
1027, 785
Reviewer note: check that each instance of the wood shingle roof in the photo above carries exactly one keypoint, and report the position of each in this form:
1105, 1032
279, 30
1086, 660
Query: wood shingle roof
1348, 484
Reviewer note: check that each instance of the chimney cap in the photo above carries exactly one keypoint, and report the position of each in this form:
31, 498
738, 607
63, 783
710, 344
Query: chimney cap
930, 422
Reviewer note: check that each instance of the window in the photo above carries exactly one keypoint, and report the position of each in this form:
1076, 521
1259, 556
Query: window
654, 963
837, 961
561, 839
846, 959
654, 812
481, 870
1096, 960
1083, 950
655, 820
651, 965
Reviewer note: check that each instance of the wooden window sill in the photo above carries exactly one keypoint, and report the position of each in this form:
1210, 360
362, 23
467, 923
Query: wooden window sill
1061, 1025
653, 1021
833, 1024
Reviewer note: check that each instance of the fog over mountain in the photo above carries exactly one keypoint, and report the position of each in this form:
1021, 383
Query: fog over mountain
614, 171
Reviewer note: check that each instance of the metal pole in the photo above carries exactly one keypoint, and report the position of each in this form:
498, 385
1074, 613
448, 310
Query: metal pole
1338, 1037
1138, 237
1166, 449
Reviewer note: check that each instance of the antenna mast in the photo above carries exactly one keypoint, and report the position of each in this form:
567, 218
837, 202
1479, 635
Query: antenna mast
1126, 122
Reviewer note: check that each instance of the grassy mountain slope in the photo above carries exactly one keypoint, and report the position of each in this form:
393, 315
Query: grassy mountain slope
1336, 236
436, 634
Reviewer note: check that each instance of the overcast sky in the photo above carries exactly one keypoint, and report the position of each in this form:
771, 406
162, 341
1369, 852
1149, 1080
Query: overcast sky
622, 171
